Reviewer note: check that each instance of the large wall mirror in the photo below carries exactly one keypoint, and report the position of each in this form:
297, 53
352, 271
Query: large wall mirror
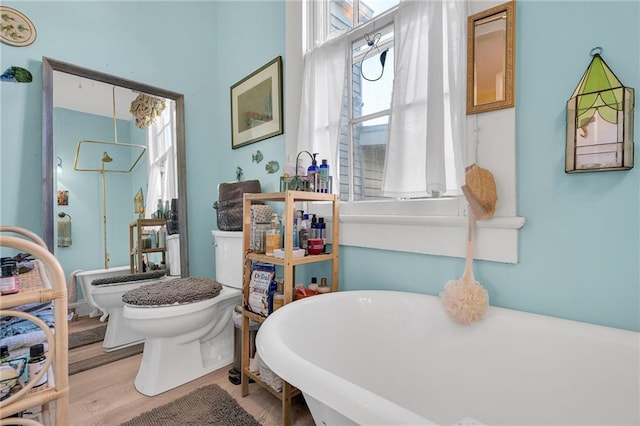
96, 160
490, 59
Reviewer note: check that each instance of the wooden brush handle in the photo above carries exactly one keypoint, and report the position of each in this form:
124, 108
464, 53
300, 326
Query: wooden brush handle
468, 266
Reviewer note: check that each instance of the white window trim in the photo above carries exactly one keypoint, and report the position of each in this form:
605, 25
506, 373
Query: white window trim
434, 226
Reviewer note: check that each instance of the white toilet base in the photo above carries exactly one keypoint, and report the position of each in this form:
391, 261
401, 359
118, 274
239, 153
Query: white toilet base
167, 364
109, 299
118, 334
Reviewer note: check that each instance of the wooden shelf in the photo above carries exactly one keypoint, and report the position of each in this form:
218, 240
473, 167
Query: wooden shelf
289, 198
253, 316
258, 379
135, 244
281, 262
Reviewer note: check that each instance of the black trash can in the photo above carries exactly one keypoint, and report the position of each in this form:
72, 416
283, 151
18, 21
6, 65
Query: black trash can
234, 373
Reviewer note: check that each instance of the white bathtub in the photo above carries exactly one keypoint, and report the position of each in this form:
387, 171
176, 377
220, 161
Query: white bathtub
392, 358
85, 278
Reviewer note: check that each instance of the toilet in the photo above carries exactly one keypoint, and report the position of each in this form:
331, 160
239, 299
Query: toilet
106, 300
188, 340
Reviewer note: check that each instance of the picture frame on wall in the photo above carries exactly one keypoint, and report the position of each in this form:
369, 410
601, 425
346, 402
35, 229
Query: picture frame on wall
256, 105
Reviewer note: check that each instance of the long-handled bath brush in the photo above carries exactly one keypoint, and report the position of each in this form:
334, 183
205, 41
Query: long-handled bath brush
465, 300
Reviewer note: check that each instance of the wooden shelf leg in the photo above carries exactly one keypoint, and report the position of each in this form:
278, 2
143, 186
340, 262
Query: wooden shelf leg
286, 403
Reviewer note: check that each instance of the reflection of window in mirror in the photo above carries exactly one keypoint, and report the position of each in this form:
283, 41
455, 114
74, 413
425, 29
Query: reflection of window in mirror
490, 57
490, 48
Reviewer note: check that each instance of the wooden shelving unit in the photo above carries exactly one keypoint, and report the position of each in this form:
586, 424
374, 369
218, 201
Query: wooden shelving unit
289, 198
136, 252
46, 282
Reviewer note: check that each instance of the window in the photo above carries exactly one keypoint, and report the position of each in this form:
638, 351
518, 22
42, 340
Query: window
364, 125
162, 182
368, 218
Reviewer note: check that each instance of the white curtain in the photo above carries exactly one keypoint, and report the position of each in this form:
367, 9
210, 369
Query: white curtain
162, 181
323, 88
154, 187
428, 101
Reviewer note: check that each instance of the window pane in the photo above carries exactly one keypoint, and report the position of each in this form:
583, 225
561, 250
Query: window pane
340, 15
372, 8
369, 147
372, 96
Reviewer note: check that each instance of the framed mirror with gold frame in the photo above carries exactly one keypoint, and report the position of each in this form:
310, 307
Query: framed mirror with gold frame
490, 59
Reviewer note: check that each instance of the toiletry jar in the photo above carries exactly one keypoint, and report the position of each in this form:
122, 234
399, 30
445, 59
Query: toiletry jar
315, 246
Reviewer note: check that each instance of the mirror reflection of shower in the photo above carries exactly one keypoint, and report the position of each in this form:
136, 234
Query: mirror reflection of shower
105, 159
126, 156
79, 106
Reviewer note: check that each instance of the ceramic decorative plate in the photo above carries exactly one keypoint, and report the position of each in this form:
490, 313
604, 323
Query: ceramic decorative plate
15, 28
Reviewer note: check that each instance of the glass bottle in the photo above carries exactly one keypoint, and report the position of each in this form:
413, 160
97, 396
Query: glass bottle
160, 209
37, 360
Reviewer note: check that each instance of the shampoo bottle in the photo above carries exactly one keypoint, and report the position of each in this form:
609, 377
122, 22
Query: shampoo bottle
324, 177
312, 174
323, 230
315, 229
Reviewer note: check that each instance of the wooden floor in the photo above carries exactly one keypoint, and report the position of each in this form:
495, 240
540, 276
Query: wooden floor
106, 395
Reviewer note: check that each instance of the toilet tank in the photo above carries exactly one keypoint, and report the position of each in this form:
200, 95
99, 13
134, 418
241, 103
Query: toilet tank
228, 252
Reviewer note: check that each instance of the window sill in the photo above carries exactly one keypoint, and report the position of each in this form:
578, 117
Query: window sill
495, 239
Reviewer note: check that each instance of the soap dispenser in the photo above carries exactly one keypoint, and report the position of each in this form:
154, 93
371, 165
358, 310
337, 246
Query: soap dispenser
312, 173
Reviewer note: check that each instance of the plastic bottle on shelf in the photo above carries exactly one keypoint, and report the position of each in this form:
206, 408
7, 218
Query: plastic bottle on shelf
315, 229
323, 230
303, 233
312, 174
324, 177
314, 284
295, 233
278, 296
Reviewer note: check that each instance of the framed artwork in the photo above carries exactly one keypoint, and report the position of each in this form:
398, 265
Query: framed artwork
63, 197
256, 105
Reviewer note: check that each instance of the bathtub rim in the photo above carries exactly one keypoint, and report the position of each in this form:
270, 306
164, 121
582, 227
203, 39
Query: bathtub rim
370, 408
288, 364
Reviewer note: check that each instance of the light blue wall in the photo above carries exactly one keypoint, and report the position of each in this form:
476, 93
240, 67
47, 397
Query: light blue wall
579, 250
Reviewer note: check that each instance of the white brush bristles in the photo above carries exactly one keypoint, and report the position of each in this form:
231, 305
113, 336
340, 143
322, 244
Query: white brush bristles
465, 301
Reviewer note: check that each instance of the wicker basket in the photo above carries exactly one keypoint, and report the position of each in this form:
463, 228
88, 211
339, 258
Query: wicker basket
229, 205
229, 215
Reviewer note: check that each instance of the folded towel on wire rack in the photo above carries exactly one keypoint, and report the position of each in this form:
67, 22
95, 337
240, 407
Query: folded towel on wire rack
64, 233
